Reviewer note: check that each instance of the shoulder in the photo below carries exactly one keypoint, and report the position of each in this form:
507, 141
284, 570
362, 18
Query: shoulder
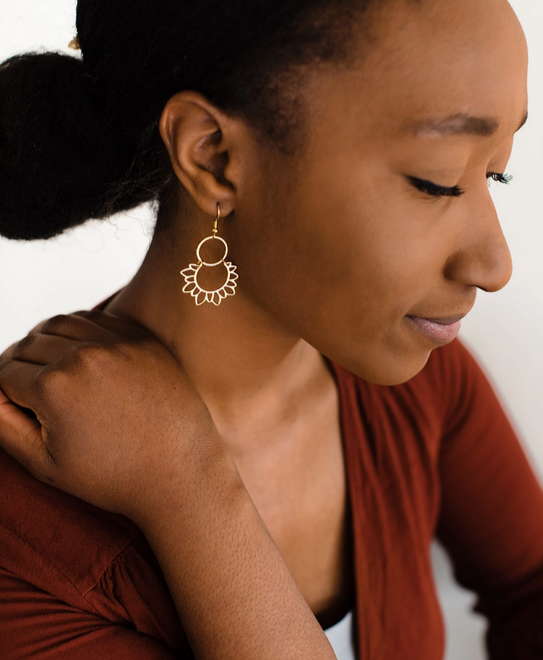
89, 574
53, 540
93, 569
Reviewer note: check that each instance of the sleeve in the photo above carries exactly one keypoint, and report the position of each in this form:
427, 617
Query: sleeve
34, 624
491, 517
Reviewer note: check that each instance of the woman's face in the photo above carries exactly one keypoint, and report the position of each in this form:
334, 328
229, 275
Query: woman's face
344, 242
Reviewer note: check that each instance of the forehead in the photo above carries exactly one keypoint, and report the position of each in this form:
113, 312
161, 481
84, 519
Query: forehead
435, 59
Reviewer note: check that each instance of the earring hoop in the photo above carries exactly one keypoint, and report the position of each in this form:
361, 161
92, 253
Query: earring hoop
194, 288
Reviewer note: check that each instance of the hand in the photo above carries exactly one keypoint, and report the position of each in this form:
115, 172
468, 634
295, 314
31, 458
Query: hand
97, 406
100, 408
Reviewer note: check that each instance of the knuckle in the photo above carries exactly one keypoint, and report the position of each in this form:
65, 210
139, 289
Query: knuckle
48, 381
9, 352
90, 317
21, 346
92, 314
122, 349
42, 383
90, 358
54, 324
77, 360
119, 325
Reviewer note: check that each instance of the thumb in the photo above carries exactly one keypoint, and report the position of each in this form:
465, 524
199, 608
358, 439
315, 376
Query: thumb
20, 433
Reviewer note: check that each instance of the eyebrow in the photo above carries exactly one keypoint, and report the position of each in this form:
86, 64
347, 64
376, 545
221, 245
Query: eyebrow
458, 124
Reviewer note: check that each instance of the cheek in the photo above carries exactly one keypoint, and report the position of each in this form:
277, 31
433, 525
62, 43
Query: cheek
341, 270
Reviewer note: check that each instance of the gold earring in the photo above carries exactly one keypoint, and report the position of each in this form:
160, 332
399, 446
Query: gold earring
192, 286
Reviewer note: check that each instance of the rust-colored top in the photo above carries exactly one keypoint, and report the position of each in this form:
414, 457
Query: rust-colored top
434, 456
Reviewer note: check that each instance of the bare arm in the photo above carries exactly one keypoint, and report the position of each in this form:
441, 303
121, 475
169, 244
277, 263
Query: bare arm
233, 591
143, 444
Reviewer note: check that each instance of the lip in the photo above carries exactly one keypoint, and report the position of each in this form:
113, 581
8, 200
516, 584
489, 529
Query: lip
443, 321
440, 331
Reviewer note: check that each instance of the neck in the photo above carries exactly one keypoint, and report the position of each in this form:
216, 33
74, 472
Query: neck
244, 364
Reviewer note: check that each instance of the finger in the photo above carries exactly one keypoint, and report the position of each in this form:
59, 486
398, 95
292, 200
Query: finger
21, 436
9, 351
91, 325
123, 325
19, 381
40, 349
72, 326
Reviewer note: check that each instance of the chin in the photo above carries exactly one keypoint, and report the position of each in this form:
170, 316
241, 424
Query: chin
388, 369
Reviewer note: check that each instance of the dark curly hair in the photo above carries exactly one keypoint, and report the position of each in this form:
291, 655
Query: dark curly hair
79, 138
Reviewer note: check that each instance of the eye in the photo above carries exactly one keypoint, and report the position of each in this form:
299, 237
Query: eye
499, 177
433, 189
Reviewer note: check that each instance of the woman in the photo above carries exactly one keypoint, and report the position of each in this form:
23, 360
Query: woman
328, 163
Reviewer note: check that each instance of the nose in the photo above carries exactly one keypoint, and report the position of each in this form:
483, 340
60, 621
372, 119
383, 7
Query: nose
482, 257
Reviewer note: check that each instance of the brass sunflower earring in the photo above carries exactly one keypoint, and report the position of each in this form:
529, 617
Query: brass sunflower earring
193, 286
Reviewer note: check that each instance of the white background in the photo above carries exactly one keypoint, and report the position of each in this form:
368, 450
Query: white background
505, 330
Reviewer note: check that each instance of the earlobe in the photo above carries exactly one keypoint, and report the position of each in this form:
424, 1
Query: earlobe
192, 130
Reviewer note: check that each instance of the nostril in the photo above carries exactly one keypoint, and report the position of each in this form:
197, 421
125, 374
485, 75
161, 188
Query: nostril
482, 264
500, 271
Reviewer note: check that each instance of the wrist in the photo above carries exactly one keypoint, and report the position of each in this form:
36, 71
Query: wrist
183, 486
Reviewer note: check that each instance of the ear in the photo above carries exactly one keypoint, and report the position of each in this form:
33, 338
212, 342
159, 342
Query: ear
203, 144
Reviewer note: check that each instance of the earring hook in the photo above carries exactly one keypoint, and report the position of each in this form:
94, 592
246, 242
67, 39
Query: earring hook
215, 229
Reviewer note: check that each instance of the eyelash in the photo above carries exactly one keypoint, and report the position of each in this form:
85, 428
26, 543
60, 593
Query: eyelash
435, 190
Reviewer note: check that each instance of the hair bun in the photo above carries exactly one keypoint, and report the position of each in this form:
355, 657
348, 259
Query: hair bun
57, 161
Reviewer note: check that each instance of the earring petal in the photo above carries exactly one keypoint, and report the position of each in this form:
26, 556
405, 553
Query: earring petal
190, 273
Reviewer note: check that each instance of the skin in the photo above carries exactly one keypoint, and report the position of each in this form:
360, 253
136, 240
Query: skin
335, 250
